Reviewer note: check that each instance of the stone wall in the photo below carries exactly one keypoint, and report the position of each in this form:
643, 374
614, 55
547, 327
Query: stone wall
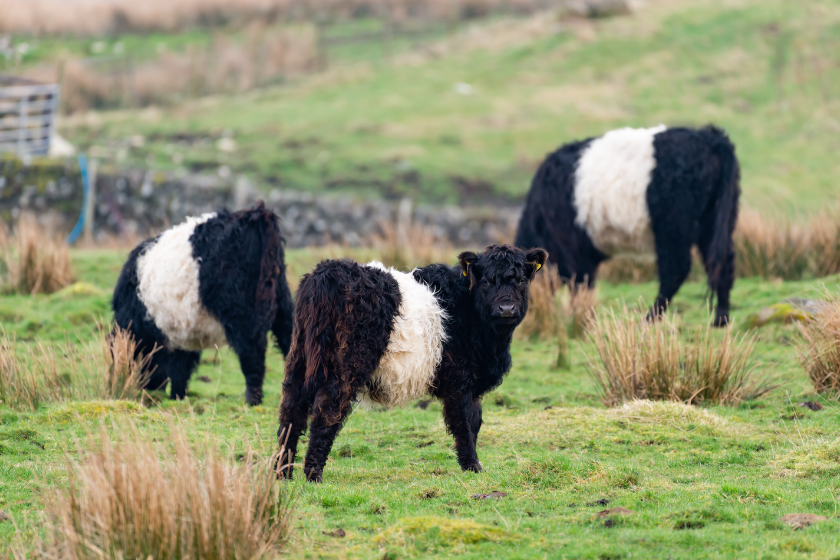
143, 202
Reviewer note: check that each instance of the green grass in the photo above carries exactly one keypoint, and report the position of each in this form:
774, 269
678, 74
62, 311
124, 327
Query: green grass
703, 482
764, 70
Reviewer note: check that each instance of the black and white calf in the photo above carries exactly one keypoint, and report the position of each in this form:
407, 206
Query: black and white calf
364, 332
654, 190
214, 279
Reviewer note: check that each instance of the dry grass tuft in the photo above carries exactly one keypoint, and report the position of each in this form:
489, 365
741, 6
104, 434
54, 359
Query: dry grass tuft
642, 360
32, 260
627, 270
786, 250
407, 245
136, 499
27, 381
36, 374
819, 349
125, 373
556, 312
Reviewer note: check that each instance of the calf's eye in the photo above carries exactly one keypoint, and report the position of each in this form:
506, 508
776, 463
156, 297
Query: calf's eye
484, 281
522, 281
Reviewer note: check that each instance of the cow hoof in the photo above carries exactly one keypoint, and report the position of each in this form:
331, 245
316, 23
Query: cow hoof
253, 396
314, 476
721, 320
474, 467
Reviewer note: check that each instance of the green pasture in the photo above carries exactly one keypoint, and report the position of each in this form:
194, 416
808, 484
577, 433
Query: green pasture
702, 482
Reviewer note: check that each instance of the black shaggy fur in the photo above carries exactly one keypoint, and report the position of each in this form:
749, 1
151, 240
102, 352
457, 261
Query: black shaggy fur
242, 283
692, 199
344, 318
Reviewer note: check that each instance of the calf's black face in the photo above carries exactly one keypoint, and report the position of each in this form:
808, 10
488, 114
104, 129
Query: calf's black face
499, 281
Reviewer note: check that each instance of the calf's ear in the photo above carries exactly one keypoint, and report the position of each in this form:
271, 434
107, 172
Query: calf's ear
466, 259
535, 259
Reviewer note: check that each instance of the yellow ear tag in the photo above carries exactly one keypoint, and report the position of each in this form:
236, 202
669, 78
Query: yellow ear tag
539, 266
468, 267
464, 273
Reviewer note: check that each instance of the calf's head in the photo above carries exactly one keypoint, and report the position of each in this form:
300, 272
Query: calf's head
500, 277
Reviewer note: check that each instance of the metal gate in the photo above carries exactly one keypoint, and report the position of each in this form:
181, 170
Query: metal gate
27, 115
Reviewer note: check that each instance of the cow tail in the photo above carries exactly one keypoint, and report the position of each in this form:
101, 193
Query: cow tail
270, 262
725, 207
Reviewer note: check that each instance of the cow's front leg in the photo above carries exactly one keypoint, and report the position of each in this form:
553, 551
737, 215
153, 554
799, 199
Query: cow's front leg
459, 414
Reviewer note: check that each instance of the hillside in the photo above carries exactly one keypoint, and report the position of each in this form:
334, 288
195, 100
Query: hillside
764, 70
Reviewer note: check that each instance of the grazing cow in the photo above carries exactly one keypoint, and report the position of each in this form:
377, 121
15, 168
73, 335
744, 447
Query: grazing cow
214, 279
652, 190
375, 334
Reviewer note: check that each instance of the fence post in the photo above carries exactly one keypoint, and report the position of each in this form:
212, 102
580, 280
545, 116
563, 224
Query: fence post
90, 203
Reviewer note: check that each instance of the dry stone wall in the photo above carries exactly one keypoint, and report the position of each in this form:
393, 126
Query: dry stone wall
143, 202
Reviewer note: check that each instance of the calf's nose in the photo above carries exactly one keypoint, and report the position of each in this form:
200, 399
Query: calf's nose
506, 310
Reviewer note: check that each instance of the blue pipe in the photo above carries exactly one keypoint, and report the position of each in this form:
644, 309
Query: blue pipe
80, 225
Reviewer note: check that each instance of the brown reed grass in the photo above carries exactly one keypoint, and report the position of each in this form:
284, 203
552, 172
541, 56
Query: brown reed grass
557, 313
782, 249
407, 245
637, 359
125, 373
225, 66
31, 378
819, 349
132, 498
34, 261
108, 17
38, 373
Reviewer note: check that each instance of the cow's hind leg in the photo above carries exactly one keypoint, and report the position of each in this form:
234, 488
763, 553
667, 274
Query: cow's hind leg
294, 411
333, 403
329, 411
725, 275
179, 368
249, 343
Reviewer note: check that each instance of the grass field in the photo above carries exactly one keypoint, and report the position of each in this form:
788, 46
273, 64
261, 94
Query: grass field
703, 482
764, 70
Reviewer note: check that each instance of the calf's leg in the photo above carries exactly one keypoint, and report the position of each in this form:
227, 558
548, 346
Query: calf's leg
329, 411
294, 412
463, 421
179, 367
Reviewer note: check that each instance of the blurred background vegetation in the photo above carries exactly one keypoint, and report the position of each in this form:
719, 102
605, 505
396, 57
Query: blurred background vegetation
443, 101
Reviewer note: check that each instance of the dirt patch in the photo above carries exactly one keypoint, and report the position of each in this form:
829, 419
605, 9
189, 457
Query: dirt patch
811, 405
338, 533
609, 512
205, 379
801, 520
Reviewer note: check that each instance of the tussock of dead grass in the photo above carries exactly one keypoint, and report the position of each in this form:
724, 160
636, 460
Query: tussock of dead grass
39, 373
637, 359
557, 312
27, 381
819, 350
125, 373
409, 245
781, 249
136, 499
32, 260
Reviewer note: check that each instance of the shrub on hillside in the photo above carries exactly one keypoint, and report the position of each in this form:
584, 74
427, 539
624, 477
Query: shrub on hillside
638, 359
